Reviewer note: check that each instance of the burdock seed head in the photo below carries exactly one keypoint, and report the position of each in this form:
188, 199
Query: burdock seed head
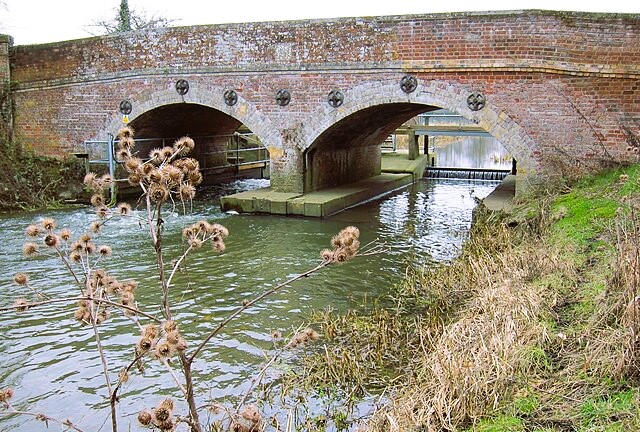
21, 279
169, 326
124, 209
158, 192
125, 132
97, 200
6, 394
49, 223
104, 250
144, 344
33, 230
65, 234
150, 331
163, 350
51, 240
30, 249
145, 417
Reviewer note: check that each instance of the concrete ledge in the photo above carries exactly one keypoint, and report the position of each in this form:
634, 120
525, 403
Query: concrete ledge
397, 171
501, 197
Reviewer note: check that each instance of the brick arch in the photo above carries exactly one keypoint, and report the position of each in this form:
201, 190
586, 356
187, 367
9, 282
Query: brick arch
243, 111
438, 94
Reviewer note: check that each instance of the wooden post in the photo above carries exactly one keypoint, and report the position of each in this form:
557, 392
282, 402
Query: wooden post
414, 148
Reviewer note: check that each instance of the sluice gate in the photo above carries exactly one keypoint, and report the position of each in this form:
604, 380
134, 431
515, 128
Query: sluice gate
467, 173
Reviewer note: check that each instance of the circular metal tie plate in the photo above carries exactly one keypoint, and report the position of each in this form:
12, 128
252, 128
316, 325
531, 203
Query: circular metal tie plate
182, 87
476, 101
230, 97
335, 98
126, 107
408, 83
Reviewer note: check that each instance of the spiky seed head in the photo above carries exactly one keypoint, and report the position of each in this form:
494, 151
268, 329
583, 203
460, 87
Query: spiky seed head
184, 145
21, 278
91, 181
75, 256
163, 350
134, 179
159, 193
123, 375
126, 143
95, 227
167, 152
167, 404
144, 344
327, 255
122, 154
251, 413
30, 249
169, 326
155, 176
65, 234
132, 164
33, 230
6, 394
218, 246
124, 209
104, 250
186, 191
125, 132
145, 417
155, 156
221, 229
150, 331
89, 248
51, 240
187, 232
49, 224
195, 243
97, 200
195, 177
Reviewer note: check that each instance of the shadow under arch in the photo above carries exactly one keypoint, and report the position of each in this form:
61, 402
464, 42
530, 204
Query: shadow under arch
198, 101
339, 145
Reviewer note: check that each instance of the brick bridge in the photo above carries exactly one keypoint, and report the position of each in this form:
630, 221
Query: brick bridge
561, 91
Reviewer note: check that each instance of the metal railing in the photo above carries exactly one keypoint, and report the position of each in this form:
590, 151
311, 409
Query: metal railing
102, 152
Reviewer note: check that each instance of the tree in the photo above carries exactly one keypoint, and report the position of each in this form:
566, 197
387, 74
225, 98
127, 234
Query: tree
127, 19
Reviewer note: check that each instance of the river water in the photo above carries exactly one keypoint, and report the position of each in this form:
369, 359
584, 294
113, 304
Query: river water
51, 360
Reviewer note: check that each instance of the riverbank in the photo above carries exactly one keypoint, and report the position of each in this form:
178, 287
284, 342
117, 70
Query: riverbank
29, 182
533, 328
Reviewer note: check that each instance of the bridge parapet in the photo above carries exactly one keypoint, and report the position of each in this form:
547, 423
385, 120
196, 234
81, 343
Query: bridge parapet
560, 88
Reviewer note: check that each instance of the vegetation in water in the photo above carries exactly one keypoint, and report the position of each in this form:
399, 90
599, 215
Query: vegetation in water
533, 328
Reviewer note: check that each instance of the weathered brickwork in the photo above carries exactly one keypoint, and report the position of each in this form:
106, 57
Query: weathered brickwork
562, 89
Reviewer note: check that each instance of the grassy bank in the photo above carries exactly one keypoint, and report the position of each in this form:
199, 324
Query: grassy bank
533, 328
28, 181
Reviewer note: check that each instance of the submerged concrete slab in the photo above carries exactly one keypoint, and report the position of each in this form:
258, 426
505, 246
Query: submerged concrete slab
397, 171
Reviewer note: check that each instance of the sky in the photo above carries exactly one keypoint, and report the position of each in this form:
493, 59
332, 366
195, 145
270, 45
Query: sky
42, 21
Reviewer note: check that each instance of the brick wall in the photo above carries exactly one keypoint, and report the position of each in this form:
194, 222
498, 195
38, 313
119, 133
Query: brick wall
561, 88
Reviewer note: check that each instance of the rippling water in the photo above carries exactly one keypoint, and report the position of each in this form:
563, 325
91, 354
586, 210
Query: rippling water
51, 360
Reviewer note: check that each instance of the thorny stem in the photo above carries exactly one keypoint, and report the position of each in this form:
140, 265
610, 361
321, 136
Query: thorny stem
42, 417
250, 303
174, 376
186, 365
103, 359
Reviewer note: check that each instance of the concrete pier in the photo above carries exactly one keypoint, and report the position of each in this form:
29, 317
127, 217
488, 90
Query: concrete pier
397, 171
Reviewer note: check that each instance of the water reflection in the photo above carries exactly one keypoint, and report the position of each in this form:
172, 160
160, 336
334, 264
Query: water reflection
52, 361
470, 152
